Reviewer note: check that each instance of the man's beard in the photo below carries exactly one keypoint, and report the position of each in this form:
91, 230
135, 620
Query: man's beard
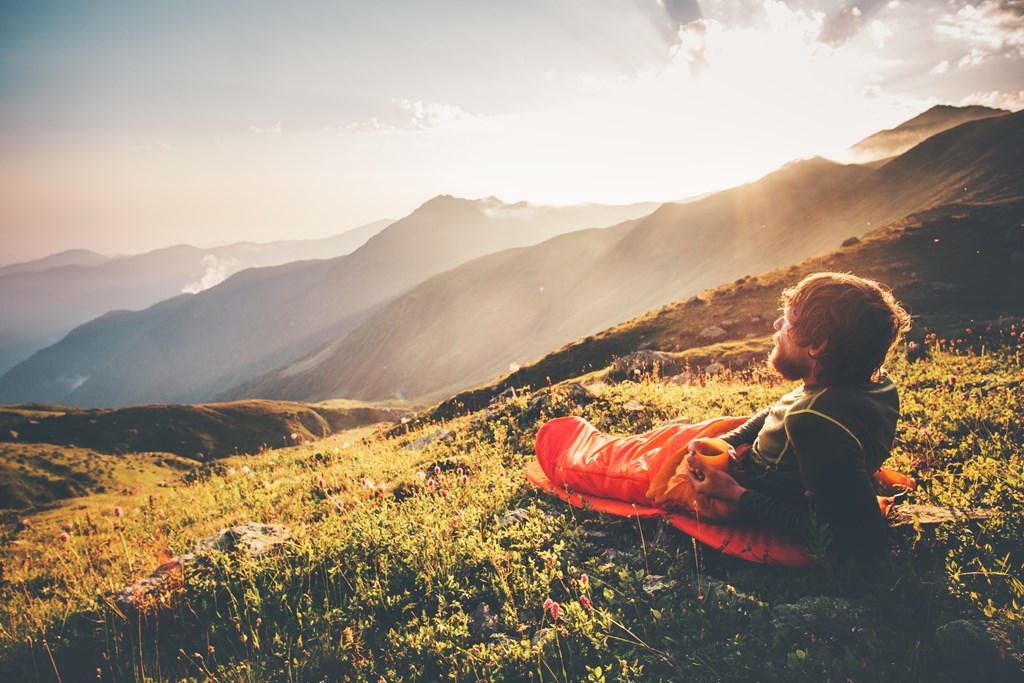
787, 366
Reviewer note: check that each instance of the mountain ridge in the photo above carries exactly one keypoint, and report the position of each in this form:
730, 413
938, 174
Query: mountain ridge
224, 335
805, 208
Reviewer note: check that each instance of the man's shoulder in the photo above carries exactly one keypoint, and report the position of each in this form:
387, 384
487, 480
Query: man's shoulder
844, 397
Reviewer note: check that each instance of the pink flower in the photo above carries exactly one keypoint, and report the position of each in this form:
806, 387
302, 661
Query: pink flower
550, 561
465, 479
65, 537
321, 483
118, 512
69, 527
584, 579
437, 470
547, 604
555, 609
430, 484
585, 601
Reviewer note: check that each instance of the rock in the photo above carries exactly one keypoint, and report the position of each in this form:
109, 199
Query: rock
694, 301
482, 622
442, 435
713, 333
824, 616
978, 650
517, 516
633, 406
713, 368
642, 362
252, 538
932, 515
850, 241
654, 583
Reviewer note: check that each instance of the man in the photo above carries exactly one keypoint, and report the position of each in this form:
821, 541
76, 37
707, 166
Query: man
812, 454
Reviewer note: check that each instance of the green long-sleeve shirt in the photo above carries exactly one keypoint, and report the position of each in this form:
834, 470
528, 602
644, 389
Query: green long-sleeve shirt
811, 458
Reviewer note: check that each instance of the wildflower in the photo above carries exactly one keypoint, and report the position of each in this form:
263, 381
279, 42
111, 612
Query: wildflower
246, 469
118, 512
430, 484
585, 601
421, 475
321, 484
555, 610
295, 436
69, 527
501, 475
465, 480
437, 470
231, 471
65, 537
547, 604
549, 560
584, 579
458, 472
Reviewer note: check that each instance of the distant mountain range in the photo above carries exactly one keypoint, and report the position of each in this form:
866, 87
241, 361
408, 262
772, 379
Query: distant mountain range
194, 346
472, 323
461, 291
42, 300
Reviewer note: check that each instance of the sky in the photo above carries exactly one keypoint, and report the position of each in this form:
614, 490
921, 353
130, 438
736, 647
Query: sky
129, 125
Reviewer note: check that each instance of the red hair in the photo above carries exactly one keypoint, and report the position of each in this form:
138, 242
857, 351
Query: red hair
854, 321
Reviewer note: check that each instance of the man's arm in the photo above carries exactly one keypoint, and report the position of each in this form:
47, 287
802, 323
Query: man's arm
839, 491
747, 432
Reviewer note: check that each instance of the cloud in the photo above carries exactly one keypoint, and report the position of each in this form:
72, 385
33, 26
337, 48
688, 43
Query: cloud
940, 68
986, 30
415, 115
997, 100
842, 27
217, 270
273, 130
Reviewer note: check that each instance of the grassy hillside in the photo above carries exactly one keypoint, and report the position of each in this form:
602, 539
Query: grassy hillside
34, 476
199, 432
399, 544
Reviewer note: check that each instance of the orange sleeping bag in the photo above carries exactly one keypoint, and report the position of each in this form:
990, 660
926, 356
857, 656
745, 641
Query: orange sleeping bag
640, 476
613, 474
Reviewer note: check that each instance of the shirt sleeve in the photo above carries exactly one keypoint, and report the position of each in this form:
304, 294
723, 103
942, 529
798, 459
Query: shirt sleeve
747, 432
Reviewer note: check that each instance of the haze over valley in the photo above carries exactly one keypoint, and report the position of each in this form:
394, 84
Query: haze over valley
461, 290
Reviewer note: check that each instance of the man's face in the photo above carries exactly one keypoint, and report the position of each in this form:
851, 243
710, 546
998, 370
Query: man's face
789, 358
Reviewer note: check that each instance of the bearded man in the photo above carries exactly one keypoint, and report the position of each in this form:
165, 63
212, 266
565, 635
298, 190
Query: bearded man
808, 459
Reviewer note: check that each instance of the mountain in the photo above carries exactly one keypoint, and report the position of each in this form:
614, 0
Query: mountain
70, 257
959, 269
888, 143
41, 301
190, 348
470, 324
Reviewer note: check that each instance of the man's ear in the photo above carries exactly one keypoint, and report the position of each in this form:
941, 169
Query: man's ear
815, 351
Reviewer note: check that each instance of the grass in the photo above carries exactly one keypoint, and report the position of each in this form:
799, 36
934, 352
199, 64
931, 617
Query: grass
398, 545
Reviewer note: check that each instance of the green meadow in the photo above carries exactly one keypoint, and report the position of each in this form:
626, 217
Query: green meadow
419, 552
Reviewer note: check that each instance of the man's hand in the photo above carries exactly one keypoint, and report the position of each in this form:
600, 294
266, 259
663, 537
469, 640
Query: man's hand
712, 483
